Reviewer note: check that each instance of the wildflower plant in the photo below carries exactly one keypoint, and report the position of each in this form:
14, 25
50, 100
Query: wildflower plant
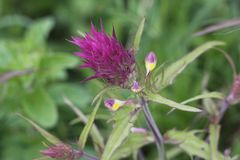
116, 67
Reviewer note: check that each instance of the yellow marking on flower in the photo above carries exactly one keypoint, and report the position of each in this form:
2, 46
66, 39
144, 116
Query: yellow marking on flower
117, 104
151, 66
150, 62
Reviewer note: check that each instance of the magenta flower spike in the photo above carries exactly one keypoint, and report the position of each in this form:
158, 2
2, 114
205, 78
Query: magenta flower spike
106, 57
150, 62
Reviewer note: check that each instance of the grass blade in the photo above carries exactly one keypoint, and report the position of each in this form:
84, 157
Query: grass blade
162, 100
51, 138
84, 135
95, 133
138, 35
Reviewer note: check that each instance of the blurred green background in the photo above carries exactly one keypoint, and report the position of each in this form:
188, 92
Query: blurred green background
35, 53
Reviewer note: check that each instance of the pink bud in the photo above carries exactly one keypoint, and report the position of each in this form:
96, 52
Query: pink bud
62, 151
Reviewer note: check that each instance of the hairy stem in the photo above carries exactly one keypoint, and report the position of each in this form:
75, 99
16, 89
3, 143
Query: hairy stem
153, 126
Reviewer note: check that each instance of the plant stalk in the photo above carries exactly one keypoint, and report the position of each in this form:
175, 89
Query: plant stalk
89, 157
223, 109
216, 120
153, 126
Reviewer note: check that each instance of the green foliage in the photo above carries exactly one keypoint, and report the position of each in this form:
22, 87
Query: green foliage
138, 35
36, 35
51, 138
40, 107
190, 143
35, 67
123, 122
34, 57
134, 142
95, 133
171, 72
159, 99
72, 91
203, 96
214, 133
84, 134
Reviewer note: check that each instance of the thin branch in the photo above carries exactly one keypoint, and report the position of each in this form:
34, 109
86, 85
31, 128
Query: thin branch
89, 157
9, 75
223, 108
153, 126
218, 26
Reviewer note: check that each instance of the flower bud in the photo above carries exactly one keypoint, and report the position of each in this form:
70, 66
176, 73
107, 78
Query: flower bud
136, 87
138, 130
150, 62
113, 104
234, 96
62, 151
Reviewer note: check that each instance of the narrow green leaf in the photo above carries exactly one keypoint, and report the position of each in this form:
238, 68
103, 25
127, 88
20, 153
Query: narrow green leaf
159, 99
189, 142
172, 71
173, 152
124, 120
203, 96
84, 135
192, 144
132, 144
51, 138
95, 133
210, 106
216, 95
138, 35
214, 137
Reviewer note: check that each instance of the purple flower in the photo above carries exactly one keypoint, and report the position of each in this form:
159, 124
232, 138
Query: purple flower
114, 104
106, 57
136, 87
150, 62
